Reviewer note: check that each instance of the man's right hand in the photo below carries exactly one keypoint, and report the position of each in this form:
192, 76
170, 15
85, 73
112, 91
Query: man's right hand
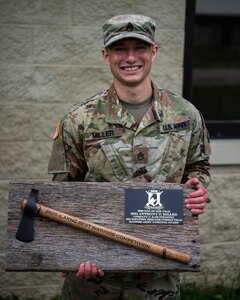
87, 270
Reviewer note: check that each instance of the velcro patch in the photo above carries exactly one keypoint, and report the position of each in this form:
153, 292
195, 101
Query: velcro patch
175, 126
110, 133
140, 155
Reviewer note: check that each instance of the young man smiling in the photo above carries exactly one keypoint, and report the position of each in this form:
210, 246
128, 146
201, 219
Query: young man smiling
156, 135
130, 61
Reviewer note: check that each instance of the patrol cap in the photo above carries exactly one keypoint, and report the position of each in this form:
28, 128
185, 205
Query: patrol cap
128, 26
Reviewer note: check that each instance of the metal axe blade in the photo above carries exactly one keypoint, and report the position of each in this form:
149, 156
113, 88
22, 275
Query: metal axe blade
25, 231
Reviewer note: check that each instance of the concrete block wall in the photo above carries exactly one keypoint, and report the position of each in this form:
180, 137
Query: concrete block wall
220, 231
50, 58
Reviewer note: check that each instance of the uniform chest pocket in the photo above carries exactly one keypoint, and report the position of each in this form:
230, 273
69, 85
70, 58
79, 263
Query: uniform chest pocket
108, 157
94, 140
175, 154
119, 156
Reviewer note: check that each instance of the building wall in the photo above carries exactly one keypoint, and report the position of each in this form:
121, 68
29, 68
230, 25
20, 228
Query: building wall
220, 231
50, 58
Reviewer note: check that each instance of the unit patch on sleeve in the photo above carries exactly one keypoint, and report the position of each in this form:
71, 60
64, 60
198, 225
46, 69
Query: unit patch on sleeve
57, 131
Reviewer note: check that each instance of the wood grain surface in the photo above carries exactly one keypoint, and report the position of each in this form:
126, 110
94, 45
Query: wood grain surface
57, 247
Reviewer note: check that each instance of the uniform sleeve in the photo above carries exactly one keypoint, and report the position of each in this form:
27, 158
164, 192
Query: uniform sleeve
197, 164
67, 162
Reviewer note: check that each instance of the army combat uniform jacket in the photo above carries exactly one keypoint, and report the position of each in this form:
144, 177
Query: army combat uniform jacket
99, 140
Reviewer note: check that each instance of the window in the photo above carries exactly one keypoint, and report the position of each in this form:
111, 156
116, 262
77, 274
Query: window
215, 84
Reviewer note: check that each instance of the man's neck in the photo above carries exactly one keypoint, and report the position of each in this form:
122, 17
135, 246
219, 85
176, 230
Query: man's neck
133, 94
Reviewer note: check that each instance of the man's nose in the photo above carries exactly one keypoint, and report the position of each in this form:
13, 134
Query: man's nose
131, 56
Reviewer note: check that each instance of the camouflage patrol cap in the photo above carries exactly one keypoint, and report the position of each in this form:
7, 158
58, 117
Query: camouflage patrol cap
128, 26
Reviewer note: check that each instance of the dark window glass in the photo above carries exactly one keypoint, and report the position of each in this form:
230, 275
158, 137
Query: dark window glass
216, 73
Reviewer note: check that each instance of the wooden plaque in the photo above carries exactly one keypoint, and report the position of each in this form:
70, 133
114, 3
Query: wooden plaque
57, 247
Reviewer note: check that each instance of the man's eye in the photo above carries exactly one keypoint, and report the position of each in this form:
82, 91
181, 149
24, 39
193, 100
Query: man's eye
119, 49
141, 47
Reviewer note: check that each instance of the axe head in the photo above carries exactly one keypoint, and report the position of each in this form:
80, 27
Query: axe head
25, 231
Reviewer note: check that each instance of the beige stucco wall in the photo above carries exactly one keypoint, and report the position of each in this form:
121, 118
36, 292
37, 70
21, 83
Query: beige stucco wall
50, 58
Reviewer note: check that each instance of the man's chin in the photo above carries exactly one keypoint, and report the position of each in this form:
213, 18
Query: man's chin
132, 81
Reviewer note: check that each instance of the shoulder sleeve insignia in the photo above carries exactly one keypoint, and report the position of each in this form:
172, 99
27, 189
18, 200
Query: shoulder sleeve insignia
57, 131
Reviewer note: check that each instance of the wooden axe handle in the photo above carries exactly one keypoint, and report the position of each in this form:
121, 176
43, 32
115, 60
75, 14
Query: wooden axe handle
110, 234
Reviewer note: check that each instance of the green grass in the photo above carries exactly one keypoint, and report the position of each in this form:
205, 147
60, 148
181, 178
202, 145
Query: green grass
188, 292
13, 297
192, 292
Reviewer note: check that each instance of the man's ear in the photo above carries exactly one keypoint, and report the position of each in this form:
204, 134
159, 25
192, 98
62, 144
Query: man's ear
105, 55
154, 52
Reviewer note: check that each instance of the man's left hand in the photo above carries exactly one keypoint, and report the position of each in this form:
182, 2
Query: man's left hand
197, 200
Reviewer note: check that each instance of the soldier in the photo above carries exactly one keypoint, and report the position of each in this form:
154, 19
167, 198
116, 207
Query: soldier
133, 131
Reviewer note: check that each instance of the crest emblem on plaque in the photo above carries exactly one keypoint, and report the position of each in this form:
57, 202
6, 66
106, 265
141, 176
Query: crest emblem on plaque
154, 199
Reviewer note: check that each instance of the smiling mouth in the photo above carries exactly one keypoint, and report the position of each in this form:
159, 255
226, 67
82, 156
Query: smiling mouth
131, 68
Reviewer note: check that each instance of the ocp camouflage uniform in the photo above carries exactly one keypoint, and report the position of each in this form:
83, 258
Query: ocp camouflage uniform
99, 140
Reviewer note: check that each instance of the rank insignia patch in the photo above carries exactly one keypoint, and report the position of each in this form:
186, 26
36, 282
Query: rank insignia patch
140, 155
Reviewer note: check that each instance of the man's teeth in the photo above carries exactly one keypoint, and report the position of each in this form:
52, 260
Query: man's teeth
131, 68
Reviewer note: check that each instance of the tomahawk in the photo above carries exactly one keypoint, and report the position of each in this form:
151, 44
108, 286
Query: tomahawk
30, 208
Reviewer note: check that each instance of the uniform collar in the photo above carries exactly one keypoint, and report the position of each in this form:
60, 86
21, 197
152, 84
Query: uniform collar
117, 114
